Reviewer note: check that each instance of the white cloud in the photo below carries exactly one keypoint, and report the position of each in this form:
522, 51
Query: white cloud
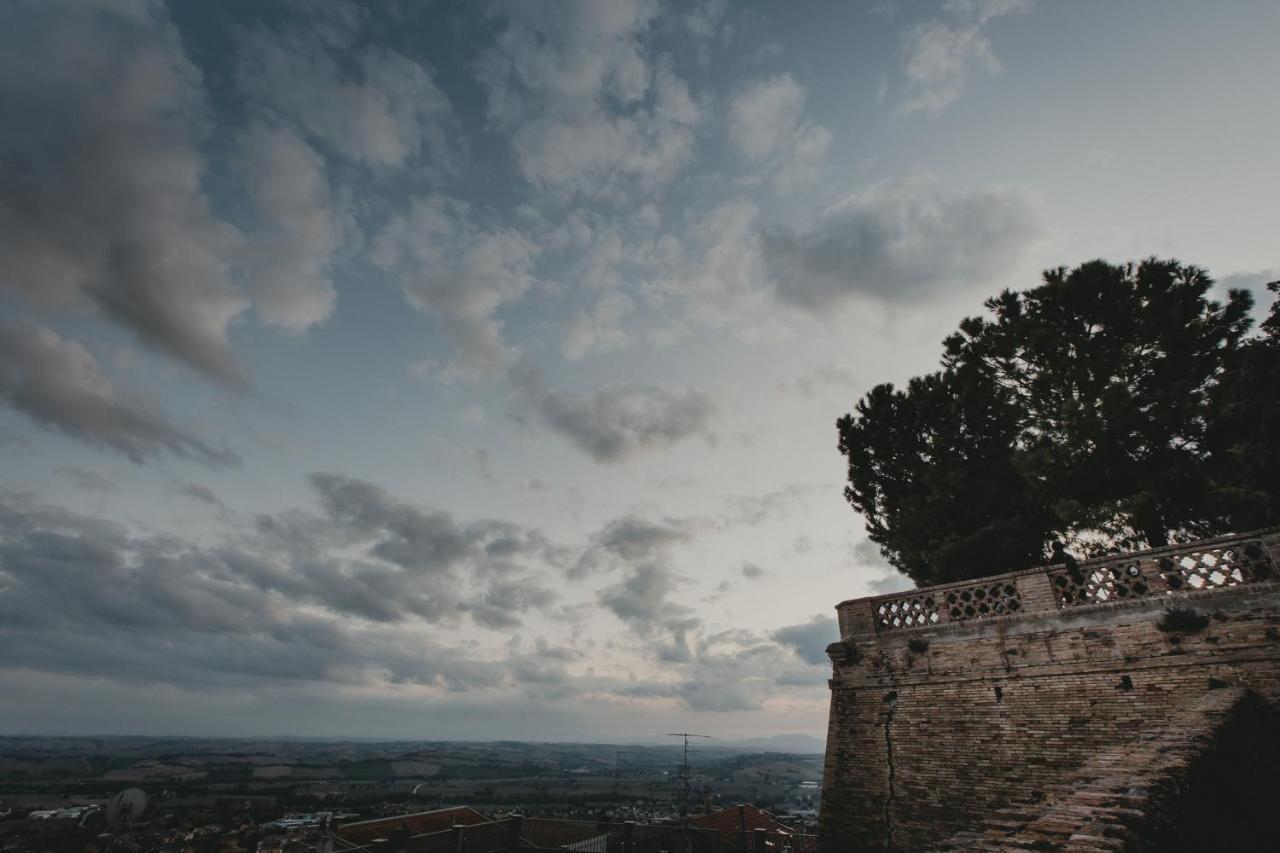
585, 109
371, 104
940, 53
291, 249
598, 327
458, 271
768, 127
716, 273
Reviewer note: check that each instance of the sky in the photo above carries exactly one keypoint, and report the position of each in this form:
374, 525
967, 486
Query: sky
470, 370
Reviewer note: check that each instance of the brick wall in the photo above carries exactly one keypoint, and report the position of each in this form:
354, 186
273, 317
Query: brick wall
951, 703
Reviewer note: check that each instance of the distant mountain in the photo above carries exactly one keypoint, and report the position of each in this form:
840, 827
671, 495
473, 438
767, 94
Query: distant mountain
800, 744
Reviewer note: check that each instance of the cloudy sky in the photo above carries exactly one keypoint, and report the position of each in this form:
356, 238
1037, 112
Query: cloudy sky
469, 370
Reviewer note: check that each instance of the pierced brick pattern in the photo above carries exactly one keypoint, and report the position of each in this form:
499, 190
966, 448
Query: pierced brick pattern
1076, 586
980, 602
1217, 567
909, 612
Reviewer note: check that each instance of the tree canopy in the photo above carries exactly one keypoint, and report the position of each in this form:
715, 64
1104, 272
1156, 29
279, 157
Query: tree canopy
1113, 406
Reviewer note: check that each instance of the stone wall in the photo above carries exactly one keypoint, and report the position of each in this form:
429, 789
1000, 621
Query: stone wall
952, 703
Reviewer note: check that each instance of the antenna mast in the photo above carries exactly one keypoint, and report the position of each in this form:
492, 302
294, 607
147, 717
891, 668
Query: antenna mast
684, 791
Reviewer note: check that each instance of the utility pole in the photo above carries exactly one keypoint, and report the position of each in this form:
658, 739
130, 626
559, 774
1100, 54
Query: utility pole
684, 792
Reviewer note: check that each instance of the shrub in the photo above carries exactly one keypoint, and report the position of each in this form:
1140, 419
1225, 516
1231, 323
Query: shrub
1182, 620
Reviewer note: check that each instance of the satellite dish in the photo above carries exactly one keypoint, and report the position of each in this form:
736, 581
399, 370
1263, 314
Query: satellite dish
126, 804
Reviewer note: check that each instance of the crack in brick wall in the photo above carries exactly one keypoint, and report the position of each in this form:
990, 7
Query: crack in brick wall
891, 701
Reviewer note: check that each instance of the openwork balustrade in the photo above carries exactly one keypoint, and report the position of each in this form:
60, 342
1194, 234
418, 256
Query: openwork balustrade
1220, 563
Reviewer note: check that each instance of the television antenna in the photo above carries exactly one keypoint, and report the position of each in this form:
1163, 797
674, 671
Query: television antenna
122, 809
684, 791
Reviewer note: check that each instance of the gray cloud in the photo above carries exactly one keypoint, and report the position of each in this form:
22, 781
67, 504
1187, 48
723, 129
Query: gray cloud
890, 583
633, 538
614, 422
204, 494
58, 383
89, 481
755, 510
100, 200
809, 640
630, 539
899, 241
641, 598
823, 380
751, 571
276, 608
423, 541
248, 611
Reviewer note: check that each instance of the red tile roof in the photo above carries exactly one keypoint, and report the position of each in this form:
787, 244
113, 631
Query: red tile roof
727, 823
419, 823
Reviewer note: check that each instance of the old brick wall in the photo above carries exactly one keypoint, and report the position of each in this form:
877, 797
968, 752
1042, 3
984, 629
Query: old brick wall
1205, 780
951, 703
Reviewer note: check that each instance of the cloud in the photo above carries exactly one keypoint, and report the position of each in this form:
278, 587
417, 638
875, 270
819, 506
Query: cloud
458, 271
899, 241
368, 104
715, 271
101, 202
58, 383
751, 571
755, 510
820, 381
585, 110
298, 231
419, 540
89, 481
767, 126
633, 538
1256, 284
316, 600
203, 494
809, 640
642, 600
628, 540
614, 422
598, 327
940, 53
341, 596
705, 18
160, 610
890, 583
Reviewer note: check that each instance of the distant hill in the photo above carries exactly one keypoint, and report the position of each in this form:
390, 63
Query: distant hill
800, 744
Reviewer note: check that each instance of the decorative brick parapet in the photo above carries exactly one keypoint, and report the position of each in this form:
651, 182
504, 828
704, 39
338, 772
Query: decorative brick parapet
953, 702
1206, 564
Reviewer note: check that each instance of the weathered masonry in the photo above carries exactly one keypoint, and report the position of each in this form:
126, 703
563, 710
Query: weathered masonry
1125, 703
